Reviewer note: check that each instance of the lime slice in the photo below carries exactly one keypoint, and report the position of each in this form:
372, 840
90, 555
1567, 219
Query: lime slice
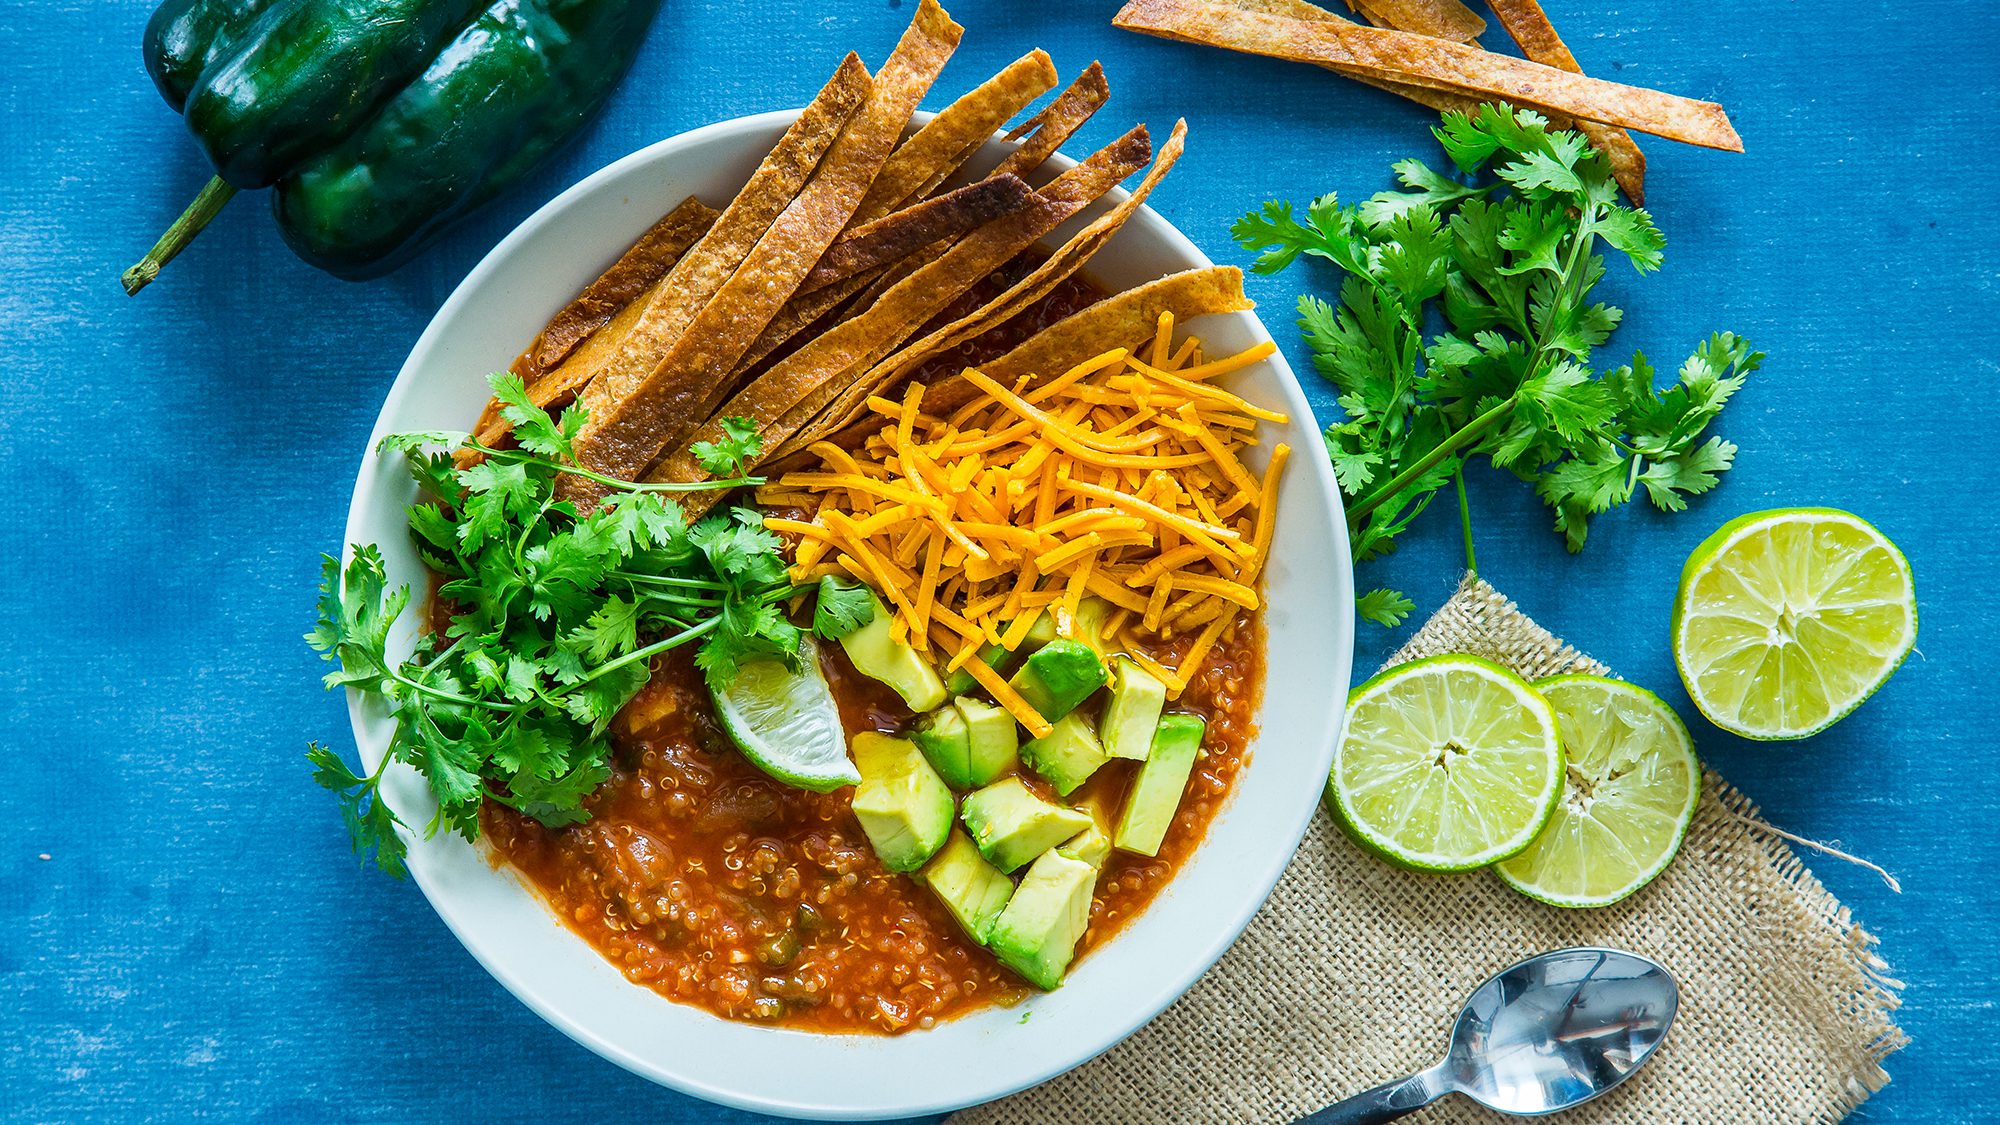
1631, 790
1788, 619
1447, 764
787, 724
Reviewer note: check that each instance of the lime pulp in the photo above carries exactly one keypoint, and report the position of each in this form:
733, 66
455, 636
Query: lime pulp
1787, 620
1446, 764
1631, 790
787, 724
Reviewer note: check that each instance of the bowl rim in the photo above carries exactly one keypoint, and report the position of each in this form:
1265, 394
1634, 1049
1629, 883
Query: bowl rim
1286, 831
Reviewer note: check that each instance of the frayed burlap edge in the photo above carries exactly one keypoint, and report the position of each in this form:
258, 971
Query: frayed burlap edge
1352, 972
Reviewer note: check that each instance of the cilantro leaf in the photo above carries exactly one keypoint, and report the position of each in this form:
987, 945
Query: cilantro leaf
841, 608
533, 428
734, 454
1384, 607
1631, 229
1692, 472
555, 619
370, 823
354, 620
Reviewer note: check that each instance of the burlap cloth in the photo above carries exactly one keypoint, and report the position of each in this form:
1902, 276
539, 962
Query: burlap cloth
1353, 971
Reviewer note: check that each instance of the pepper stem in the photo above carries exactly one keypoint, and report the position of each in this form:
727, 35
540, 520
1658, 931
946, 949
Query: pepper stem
199, 213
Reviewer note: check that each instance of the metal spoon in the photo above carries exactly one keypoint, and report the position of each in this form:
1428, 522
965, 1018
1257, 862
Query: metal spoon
1552, 1031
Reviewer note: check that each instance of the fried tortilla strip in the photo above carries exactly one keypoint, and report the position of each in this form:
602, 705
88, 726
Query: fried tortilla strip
630, 278
634, 272
595, 351
686, 385
1059, 122
1400, 56
1045, 277
930, 157
802, 384
901, 233
1438, 19
665, 310
1052, 127
704, 269
1440, 100
1066, 343
943, 145
852, 402
1537, 38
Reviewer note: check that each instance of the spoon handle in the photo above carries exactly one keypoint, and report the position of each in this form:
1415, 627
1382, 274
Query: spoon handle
1386, 1102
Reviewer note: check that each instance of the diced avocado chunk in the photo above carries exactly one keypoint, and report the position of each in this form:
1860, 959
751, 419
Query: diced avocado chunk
1003, 660
1036, 934
1060, 675
1010, 825
1087, 626
994, 745
903, 805
972, 889
969, 743
1040, 633
1067, 755
1136, 699
1093, 844
880, 656
962, 681
1156, 793
947, 745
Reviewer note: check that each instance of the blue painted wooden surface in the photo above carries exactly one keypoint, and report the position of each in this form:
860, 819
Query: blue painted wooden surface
199, 944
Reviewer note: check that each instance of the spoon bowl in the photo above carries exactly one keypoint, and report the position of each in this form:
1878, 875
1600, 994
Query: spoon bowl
1549, 1033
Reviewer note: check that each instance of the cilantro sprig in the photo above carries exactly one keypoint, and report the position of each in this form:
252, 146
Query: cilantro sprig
1505, 254
555, 618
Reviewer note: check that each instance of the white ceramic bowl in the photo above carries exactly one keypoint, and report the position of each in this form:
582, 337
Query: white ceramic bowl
1309, 619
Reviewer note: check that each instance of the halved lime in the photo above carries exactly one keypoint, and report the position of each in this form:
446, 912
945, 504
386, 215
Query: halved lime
1788, 619
1447, 764
1631, 790
787, 724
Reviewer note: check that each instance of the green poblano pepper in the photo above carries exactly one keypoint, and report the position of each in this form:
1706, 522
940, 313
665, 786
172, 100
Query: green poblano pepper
382, 122
510, 90
306, 74
185, 36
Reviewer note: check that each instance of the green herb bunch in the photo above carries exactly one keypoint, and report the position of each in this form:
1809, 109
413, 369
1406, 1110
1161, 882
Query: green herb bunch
555, 618
1505, 255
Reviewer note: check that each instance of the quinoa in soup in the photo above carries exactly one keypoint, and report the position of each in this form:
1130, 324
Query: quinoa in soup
706, 880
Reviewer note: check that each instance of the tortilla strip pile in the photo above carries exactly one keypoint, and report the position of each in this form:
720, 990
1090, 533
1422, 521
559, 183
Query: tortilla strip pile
928, 159
806, 295
1434, 61
632, 420
1119, 478
791, 394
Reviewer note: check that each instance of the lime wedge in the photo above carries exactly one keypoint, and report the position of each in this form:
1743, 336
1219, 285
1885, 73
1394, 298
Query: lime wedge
1631, 790
787, 724
1788, 619
1447, 764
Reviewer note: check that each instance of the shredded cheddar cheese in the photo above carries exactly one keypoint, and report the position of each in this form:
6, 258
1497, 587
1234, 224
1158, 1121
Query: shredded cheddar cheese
1122, 478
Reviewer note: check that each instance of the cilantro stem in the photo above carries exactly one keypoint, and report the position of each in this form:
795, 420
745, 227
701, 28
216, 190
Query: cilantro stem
1465, 522
665, 580
1459, 439
516, 455
448, 696
656, 647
